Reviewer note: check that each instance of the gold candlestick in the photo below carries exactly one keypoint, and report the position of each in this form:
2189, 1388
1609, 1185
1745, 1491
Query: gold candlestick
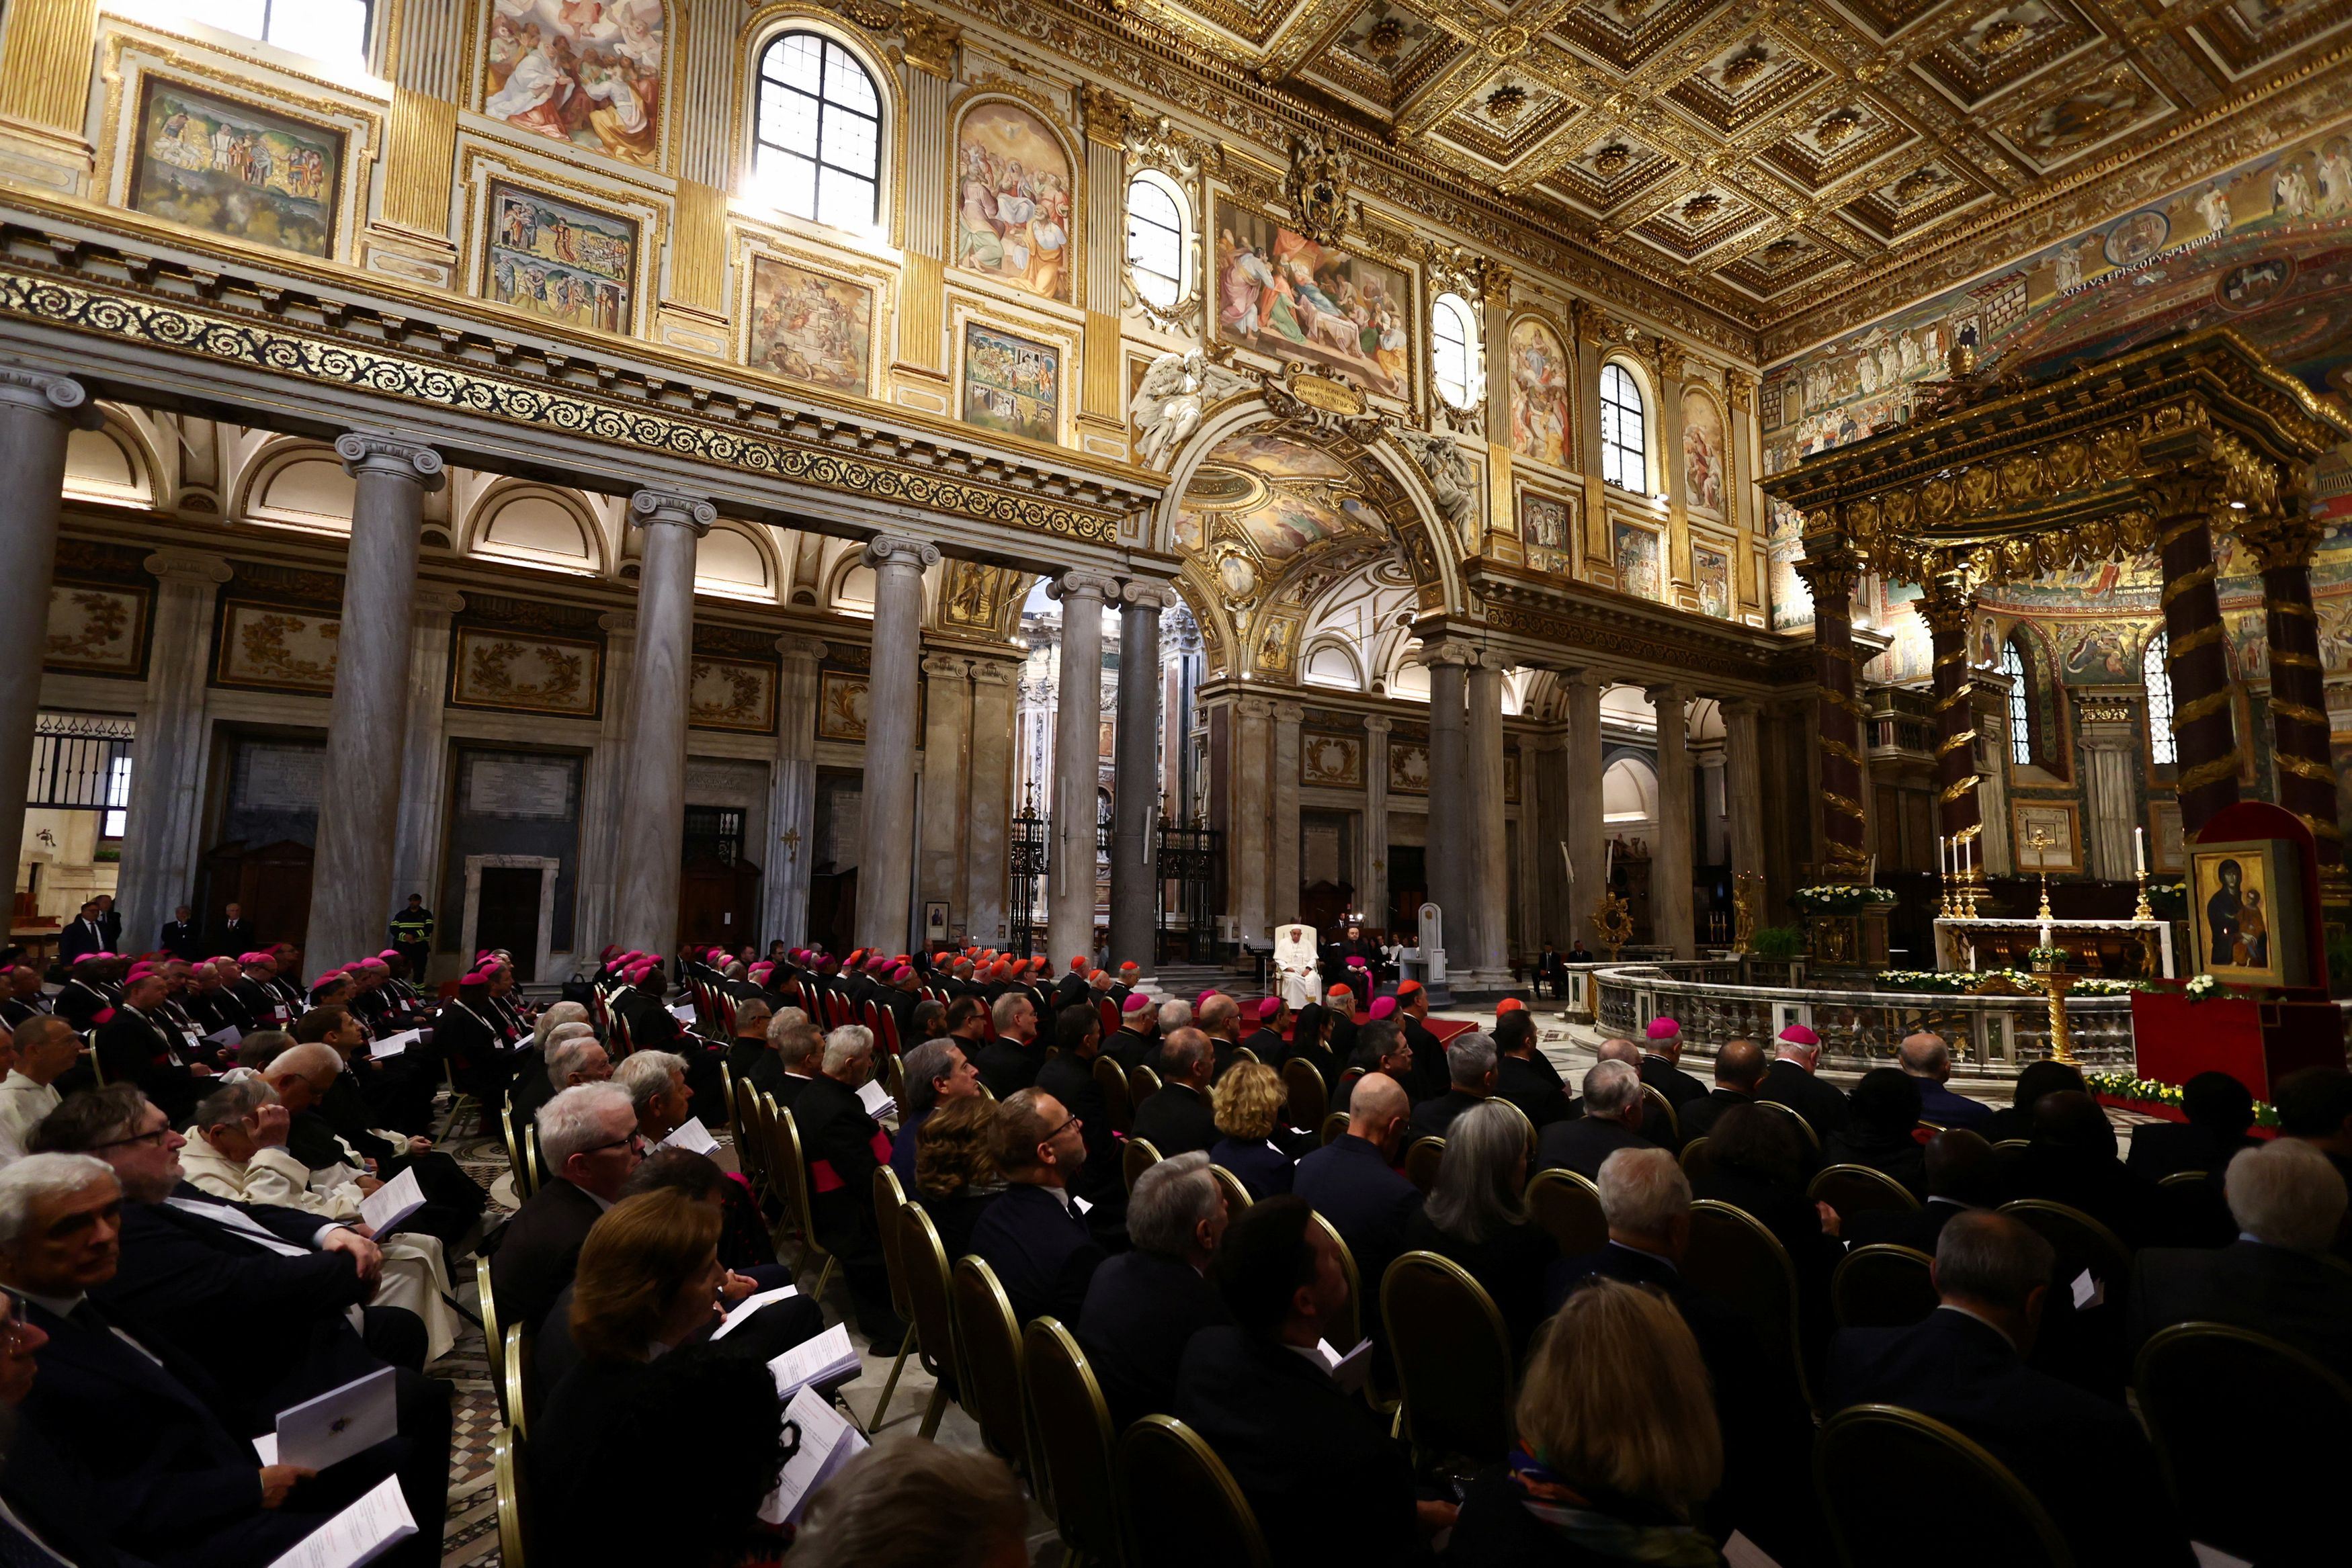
1613, 920
2143, 910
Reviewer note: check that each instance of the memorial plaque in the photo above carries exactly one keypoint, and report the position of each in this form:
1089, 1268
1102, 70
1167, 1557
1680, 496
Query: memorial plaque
504, 787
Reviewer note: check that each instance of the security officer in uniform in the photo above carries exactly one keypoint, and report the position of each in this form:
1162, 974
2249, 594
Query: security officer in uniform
411, 933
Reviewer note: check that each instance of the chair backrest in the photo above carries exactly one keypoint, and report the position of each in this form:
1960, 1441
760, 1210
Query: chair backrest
1422, 1159
889, 1197
1569, 1208
1112, 1078
992, 1389
1243, 1053
930, 1294
1138, 1157
1348, 1326
1308, 1097
1804, 1128
2197, 1383
1334, 1126
1453, 1359
1237, 1196
490, 1311
787, 1173
514, 1361
2185, 1178
1698, 1158
1857, 1189
1182, 1506
2081, 1242
751, 1133
518, 1167
511, 1464
530, 1158
1733, 1257
1071, 1425
1674, 1122
1869, 1464
1107, 1010
1883, 1287
1142, 1083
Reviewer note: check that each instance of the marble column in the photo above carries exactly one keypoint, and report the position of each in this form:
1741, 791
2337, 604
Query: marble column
1743, 799
1948, 606
1137, 786
1544, 766
1588, 854
1078, 766
416, 861
159, 848
653, 791
996, 698
1489, 881
1283, 878
2204, 730
791, 801
947, 761
1670, 915
885, 871
1373, 900
1446, 856
2109, 730
1253, 768
2284, 539
359, 793
606, 788
37, 412
1831, 570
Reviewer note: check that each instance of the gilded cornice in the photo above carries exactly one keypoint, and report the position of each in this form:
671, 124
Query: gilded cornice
1565, 615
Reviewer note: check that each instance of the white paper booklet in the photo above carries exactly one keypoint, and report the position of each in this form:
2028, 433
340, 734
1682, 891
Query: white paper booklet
325, 1431
743, 1310
389, 1207
363, 1533
824, 1359
827, 1443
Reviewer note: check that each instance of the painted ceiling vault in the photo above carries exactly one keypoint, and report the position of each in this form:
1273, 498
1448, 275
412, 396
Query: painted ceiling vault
1770, 156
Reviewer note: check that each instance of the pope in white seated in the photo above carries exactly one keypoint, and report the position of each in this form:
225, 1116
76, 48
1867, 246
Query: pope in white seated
1294, 963
238, 1150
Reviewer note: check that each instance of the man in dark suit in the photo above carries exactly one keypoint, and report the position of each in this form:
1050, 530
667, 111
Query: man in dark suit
82, 935
1961, 1175
2220, 1112
2082, 1457
1321, 1473
180, 938
1523, 1074
110, 921
1072, 988
1428, 1076
1069, 1077
237, 931
1661, 1064
843, 1146
133, 1046
1470, 1062
1655, 1126
1010, 1061
1220, 1019
1351, 1181
1034, 1237
2072, 1160
1927, 1058
2276, 1279
1613, 1117
936, 1071
25, 999
1177, 1119
86, 993
1738, 1074
589, 1144
453, 1200
1791, 1081
1144, 1306
575, 1060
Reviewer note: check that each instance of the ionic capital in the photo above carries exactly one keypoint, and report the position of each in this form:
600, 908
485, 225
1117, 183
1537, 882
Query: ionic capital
60, 396
897, 551
676, 507
1449, 651
187, 566
387, 452
1147, 594
1289, 713
1083, 583
1378, 724
796, 648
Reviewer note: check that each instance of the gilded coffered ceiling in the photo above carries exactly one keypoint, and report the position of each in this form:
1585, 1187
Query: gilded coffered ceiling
1765, 158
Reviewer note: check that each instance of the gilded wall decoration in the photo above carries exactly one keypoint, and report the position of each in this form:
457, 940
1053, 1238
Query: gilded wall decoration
522, 673
586, 72
1711, 570
808, 326
1015, 200
1408, 766
841, 706
1542, 411
974, 594
96, 630
1706, 453
1010, 384
736, 695
559, 259
1639, 554
1280, 293
1547, 529
2046, 836
1331, 761
1277, 641
268, 648
235, 169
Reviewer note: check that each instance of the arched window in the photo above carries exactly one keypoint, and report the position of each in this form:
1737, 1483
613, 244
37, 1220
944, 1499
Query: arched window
1156, 253
2020, 707
1453, 351
817, 134
1624, 431
333, 30
2155, 674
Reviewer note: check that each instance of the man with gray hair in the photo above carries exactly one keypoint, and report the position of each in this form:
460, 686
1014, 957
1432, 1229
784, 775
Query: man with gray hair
1144, 1306
1471, 1064
843, 1146
2084, 1457
656, 1084
1010, 1061
1175, 1013
2276, 1279
1221, 1021
1612, 1121
795, 1050
1177, 1119
1653, 1124
748, 1041
1927, 1058
572, 1056
589, 1146
936, 1070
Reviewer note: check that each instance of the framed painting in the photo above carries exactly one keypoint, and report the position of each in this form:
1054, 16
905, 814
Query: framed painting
1639, 554
811, 327
586, 72
1331, 761
1547, 522
2166, 846
556, 258
1014, 210
1409, 766
272, 649
1279, 293
1712, 570
96, 630
737, 695
841, 706
1705, 455
519, 673
1010, 384
1543, 423
228, 168
2245, 912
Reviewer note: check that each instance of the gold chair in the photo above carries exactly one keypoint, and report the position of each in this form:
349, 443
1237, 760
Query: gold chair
1073, 1432
1348, 1326
1567, 1206
1237, 1196
992, 1388
2197, 1384
1804, 1128
1867, 1466
1674, 1122
930, 1301
1733, 1257
1697, 1159
490, 1335
753, 1137
518, 1169
1335, 1126
1860, 1189
511, 1464
1142, 1083
1308, 1096
1112, 1081
531, 1156
2185, 1178
1883, 1287
1182, 1506
1138, 1157
2081, 1242
1453, 1359
889, 1197
514, 1386
1422, 1159
789, 1170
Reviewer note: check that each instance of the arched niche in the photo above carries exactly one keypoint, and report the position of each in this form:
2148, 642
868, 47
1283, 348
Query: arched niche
536, 524
733, 562
1628, 792
299, 483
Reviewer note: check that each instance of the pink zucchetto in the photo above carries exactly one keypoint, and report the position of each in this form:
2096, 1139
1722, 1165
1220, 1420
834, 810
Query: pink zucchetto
1798, 1034
1383, 1008
1269, 1010
1663, 1028
1136, 1002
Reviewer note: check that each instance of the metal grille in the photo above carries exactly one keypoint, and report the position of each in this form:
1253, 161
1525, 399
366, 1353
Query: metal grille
81, 762
1025, 856
714, 832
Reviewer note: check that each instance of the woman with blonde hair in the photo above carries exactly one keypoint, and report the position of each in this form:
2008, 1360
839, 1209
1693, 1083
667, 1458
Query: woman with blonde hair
1618, 1446
955, 1168
1256, 1147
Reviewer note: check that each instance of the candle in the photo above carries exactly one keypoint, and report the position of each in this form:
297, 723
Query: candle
1943, 856
2139, 851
